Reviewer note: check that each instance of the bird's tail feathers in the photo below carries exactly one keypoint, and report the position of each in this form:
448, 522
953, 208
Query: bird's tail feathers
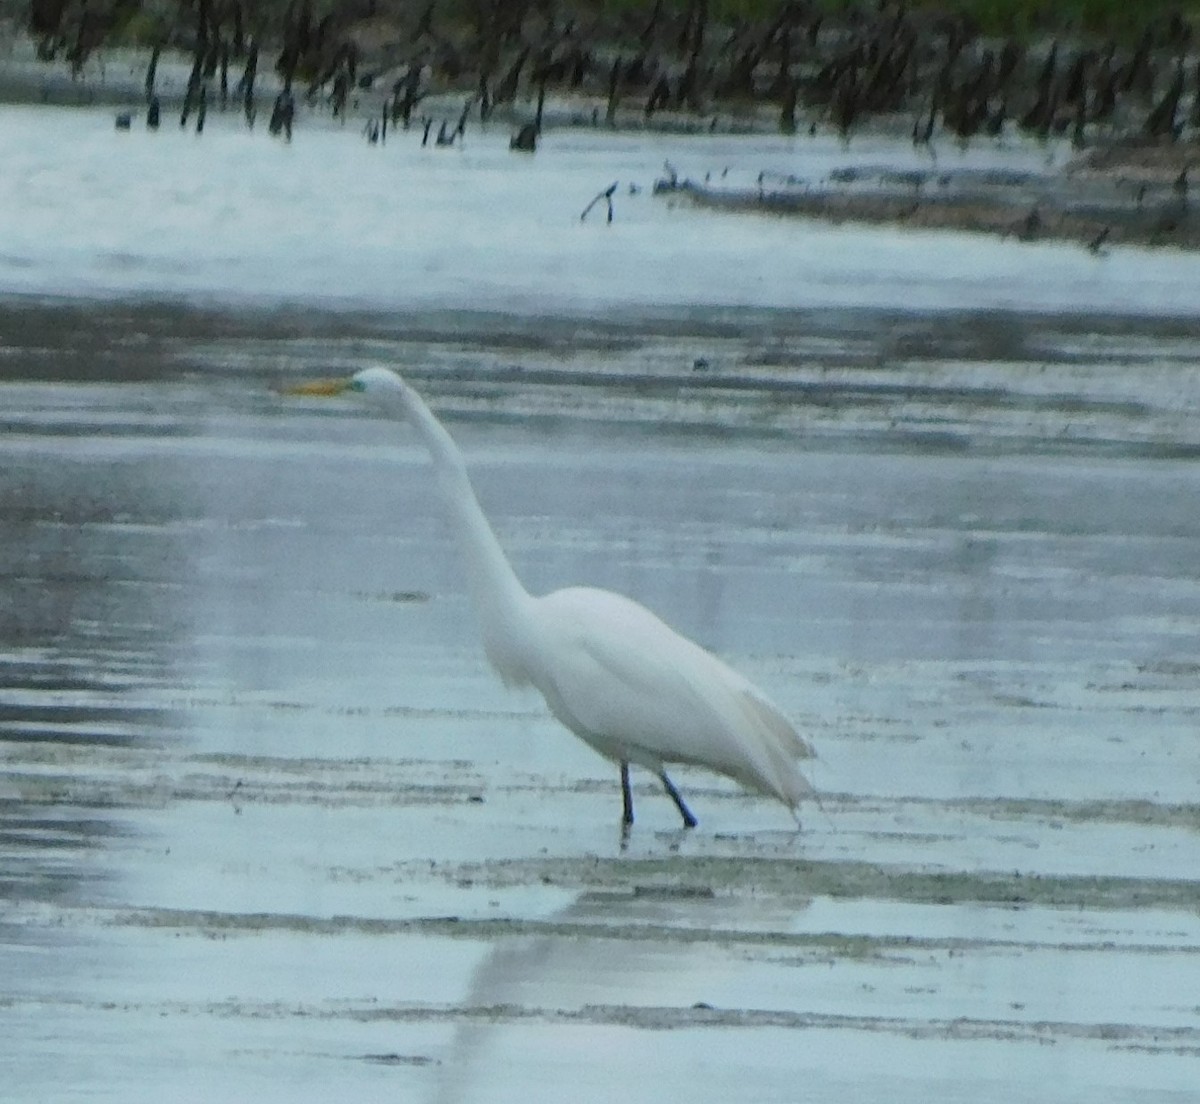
776, 724
778, 748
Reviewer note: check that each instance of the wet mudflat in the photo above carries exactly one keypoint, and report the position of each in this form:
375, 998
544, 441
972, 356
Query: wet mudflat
270, 830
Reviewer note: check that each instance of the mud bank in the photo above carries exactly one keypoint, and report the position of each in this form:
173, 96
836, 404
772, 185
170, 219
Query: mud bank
1131, 194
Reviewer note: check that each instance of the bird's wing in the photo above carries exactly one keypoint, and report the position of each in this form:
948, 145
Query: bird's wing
634, 688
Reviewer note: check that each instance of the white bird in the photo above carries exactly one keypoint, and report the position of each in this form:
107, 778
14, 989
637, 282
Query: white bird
624, 682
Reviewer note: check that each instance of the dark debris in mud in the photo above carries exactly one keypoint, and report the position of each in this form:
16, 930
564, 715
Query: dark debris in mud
1116, 1035
393, 1059
703, 875
783, 944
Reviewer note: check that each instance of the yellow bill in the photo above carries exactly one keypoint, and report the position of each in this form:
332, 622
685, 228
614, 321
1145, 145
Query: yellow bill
320, 387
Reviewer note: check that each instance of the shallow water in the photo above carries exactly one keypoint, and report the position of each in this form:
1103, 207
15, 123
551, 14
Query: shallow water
233, 215
270, 830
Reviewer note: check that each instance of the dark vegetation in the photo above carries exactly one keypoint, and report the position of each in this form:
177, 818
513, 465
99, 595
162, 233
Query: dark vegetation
965, 68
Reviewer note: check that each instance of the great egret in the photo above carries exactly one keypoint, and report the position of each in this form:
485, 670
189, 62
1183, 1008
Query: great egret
619, 678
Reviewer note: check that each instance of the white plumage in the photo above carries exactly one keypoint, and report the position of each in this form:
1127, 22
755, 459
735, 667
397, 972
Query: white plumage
613, 673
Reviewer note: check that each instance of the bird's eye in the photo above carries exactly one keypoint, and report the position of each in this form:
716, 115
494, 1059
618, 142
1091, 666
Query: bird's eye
357, 385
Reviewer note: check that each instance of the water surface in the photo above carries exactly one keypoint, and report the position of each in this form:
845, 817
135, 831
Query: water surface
270, 830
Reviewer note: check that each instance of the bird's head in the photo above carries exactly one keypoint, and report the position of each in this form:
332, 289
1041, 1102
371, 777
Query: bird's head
395, 398
380, 383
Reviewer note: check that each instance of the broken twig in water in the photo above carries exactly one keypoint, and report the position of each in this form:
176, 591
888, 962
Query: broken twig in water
605, 195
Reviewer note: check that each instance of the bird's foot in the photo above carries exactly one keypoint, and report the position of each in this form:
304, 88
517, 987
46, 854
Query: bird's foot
689, 821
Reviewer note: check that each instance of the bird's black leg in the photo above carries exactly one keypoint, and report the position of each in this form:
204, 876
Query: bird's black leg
626, 796
689, 821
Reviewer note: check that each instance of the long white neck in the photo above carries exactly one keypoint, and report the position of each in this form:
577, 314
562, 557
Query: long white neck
501, 602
